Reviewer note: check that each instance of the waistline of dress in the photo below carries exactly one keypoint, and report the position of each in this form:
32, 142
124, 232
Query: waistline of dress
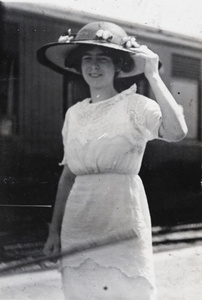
109, 174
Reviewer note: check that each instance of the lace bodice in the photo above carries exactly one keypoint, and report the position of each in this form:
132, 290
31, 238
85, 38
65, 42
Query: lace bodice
110, 136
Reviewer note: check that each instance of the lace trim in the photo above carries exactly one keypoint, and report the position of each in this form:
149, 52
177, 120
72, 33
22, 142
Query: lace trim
93, 113
137, 119
63, 263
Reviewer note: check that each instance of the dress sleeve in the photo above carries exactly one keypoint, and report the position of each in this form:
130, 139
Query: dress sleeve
153, 119
145, 117
64, 138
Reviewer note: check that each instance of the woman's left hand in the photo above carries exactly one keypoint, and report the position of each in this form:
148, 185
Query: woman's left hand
151, 60
173, 127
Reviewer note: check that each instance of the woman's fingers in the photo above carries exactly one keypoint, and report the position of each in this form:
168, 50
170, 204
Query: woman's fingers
52, 246
151, 60
52, 251
47, 249
55, 252
143, 49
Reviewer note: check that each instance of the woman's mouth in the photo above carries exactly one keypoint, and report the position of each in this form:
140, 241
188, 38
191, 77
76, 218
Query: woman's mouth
94, 75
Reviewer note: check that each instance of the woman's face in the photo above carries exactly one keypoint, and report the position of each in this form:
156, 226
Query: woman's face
97, 68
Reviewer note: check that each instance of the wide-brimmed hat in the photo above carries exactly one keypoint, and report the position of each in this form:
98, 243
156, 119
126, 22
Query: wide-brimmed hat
104, 34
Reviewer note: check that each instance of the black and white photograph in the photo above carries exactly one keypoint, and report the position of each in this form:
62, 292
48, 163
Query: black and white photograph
100, 150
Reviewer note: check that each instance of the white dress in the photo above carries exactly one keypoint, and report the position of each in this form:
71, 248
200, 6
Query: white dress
104, 144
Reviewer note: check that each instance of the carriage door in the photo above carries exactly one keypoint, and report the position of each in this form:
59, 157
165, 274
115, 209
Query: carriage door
185, 87
8, 108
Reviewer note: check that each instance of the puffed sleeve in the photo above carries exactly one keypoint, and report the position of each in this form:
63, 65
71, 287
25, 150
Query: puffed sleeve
153, 119
146, 117
64, 138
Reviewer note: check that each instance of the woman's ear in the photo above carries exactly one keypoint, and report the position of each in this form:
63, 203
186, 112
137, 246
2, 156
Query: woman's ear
117, 69
119, 65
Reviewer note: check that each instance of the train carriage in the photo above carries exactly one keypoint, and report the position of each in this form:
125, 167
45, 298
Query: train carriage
34, 99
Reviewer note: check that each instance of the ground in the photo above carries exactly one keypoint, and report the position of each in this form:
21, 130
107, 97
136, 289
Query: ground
177, 258
178, 275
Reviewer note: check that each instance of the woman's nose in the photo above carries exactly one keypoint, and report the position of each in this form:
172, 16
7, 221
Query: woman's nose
95, 64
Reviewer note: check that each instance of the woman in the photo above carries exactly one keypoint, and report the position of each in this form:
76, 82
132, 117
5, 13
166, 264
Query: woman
101, 204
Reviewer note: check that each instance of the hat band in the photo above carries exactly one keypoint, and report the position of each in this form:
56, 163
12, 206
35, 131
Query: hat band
101, 36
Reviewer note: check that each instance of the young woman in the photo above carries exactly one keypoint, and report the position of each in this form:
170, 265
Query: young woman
101, 202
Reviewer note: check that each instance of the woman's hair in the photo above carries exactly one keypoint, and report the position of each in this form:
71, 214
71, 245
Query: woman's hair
122, 60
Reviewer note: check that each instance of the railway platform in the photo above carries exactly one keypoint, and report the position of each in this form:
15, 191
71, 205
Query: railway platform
177, 258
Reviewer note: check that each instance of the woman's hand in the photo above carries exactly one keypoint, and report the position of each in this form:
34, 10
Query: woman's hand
52, 246
151, 60
173, 127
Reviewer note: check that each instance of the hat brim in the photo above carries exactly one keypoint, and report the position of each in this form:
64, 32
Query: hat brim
53, 56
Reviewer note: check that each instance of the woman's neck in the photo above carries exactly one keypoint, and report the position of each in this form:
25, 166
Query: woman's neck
102, 94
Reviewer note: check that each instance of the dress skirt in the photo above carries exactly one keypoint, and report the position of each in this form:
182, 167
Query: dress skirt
117, 266
93, 281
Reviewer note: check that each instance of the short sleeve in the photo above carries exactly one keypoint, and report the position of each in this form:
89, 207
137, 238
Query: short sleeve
153, 119
145, 117
64, 138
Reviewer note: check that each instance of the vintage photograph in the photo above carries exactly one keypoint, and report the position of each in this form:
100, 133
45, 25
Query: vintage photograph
100, 150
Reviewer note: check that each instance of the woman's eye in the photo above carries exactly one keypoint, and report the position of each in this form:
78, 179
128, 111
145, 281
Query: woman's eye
103, 59
100, 59
86, 58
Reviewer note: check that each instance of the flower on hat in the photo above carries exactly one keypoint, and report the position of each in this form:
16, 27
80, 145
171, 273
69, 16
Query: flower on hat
66, 38
104, 34
130, 42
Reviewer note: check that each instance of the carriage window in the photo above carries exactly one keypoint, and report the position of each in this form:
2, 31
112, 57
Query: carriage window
185, 88
8, 80
8, 96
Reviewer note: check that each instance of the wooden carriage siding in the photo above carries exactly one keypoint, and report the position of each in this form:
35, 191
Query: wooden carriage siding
38, 100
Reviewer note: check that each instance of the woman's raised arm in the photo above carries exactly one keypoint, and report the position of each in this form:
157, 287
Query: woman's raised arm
173, 127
